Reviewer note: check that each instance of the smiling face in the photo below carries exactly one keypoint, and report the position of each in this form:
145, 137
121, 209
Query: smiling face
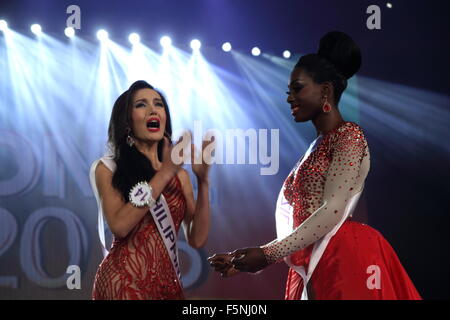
148, 115
305, 96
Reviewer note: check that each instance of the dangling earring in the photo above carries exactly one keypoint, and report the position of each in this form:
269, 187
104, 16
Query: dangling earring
326, 106
130, 140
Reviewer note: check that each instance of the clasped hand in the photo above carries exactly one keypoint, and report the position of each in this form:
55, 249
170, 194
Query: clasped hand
245, 260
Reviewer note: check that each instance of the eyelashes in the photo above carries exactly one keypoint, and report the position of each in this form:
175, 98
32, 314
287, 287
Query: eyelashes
158, 104
296, 90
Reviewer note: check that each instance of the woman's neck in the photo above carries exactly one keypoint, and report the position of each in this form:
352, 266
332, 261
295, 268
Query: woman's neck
150, 150
325, 122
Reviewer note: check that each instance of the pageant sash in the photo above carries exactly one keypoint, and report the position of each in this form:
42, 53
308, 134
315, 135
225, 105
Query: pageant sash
160, 212
163, 220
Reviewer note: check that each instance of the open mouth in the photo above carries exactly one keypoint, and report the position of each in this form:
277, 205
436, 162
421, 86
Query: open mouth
295, 109
153, 124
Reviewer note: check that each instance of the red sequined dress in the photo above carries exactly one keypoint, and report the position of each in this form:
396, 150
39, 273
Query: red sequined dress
356, 262
138, 266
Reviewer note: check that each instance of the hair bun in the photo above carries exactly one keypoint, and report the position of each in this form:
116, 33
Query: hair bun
338, 48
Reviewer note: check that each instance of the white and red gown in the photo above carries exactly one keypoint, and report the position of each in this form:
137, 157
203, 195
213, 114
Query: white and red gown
337, 258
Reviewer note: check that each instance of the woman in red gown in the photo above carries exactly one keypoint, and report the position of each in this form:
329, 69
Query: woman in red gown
330, 256
138, 266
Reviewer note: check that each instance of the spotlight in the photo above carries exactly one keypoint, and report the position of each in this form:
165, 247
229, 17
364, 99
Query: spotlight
196, 44
389, 5
165, 42
69, 32
3, 25
134, 38
102, 35
36, 29
226, 47
256, 52
286, 54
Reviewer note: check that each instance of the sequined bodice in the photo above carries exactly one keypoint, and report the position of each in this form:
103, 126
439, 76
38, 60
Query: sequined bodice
321, 186
304, 187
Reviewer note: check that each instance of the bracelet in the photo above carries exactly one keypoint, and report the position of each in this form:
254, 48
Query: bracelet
141, 195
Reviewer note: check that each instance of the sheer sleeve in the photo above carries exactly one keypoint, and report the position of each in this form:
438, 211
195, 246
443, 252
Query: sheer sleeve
347, 154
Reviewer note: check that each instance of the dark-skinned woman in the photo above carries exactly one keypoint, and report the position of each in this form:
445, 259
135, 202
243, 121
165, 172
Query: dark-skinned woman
329, 255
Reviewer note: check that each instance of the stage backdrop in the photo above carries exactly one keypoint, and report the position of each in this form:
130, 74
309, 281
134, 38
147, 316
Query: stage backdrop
56, 100
56, 97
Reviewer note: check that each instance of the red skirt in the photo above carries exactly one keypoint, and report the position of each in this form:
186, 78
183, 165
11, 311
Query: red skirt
358, 264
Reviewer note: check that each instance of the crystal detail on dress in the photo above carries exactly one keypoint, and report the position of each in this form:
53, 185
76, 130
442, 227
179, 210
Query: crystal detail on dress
330, 173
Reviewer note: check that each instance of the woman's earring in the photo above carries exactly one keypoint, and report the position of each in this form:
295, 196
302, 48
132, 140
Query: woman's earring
326, 106
130, 140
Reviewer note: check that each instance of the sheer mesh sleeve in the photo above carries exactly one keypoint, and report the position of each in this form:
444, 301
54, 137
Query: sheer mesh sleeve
342, 181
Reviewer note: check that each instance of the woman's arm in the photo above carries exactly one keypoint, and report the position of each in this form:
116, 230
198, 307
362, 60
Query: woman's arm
123, 217
196, 221
341, 182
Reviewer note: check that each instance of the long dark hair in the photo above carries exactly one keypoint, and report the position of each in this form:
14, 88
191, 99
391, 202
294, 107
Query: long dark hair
132, 165
336, 61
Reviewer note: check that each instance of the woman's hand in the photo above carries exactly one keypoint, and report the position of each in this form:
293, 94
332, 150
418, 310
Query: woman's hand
168, 165
249, 259
200, 165
221, 262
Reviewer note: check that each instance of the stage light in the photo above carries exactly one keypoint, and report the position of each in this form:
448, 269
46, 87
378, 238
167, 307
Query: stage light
3, 25
389, 5
226, 47
134, 38
256, 52
69, 32
102, 35
36, 29
165, 42
196, 44
286, 54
